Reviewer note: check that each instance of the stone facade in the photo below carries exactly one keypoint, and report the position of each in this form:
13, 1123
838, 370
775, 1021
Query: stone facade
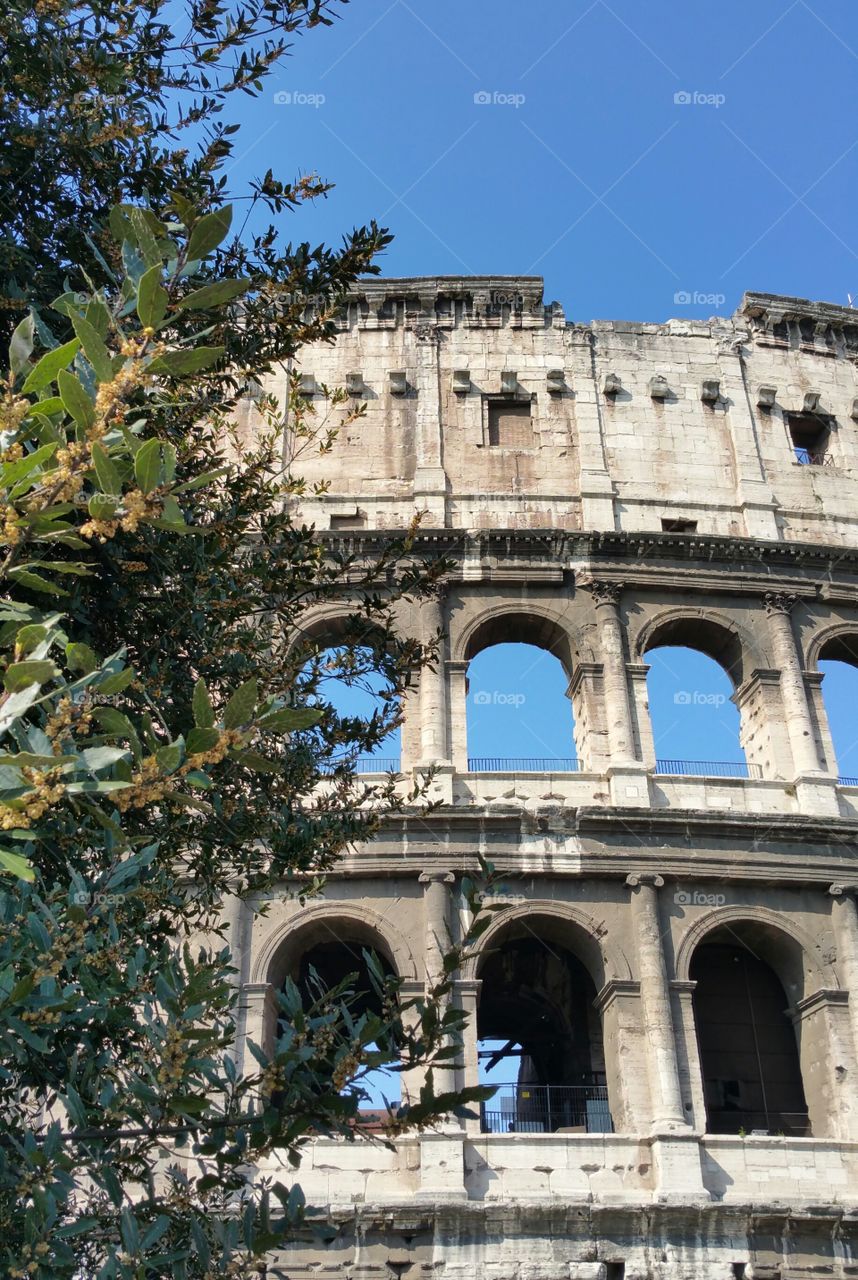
603, 490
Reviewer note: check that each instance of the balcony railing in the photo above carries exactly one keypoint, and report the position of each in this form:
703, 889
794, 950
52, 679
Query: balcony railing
846, 781
547, 1108
365, 764
535, 764
708, 768
812, 457
790, 1124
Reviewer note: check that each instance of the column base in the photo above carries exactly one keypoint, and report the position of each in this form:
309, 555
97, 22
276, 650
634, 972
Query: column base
629, 784
678, 1170
441, 786
816, 794
442, 1166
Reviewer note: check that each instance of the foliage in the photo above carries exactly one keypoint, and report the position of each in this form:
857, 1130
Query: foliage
161, 759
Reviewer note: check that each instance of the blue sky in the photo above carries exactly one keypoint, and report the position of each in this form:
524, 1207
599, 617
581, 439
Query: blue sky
582, 166
648, 160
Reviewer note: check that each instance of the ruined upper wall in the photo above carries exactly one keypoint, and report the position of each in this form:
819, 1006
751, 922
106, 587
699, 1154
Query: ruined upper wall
629, 424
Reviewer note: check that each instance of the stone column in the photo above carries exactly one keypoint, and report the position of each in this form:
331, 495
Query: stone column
457, 712
430, 479
259, 1006
815, 791
626, 772
662, 1065
467, 996
844, 922
437, 910
433, 688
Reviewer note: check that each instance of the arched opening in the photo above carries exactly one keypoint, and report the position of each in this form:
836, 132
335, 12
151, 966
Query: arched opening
838, 665
334, 954
694, 668
539, 1036
355, 687
749, 1054
519, 717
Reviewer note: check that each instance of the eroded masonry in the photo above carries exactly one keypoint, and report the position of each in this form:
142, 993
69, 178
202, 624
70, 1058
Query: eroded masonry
676, 957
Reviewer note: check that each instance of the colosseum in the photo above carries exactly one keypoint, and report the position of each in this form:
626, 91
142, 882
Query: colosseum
675, 951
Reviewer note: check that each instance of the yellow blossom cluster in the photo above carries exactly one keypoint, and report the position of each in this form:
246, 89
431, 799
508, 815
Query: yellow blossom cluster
69, 717
29, 1261
148, 784
173, 1058
70, 940
45, 792
136, 505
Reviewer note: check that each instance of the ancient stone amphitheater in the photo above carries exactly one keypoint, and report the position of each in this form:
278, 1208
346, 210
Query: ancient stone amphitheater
676, 960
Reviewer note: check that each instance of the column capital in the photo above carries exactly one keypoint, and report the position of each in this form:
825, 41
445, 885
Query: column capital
436, 877
637, 878
602, 591
843, 890
780, 602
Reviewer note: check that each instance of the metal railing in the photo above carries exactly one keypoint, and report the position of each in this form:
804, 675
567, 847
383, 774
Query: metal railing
365, 764
790, 1124
547, 1108
708, 768
812, 457
845, 781
536, 764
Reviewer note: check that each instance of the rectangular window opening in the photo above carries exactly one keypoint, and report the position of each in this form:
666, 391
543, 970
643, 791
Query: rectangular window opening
354, 521
678, 526
615, 1271
809, 433
739, 1269
510, 424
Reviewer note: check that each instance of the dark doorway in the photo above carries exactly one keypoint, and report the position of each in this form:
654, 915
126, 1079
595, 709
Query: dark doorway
748, 1051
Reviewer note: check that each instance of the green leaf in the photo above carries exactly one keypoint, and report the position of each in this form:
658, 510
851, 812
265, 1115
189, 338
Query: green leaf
50, 364
94, 349
35, 582
12, 472
203, 739
259, 763
196, 778
173, 514
21, 674
29, 637
21, 345
108, 476
242, 704
204, 716
142, 221
200, 481
15, 865
189, 360
290, 719
81, 658
96, 758
170, 757
147, 466
46, 408
213, 295
152, 298
116, 683
75, 399
102, 507
209, 232
16, 704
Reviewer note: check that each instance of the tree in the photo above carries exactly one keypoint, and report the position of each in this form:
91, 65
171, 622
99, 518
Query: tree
156, 753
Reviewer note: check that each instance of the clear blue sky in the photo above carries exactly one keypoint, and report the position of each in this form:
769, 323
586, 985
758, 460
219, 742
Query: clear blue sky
582, 167
632, 154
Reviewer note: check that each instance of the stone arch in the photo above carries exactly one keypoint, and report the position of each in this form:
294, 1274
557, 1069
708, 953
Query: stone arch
527, 623
586, 939
837, 642
710, 632
319, 922
328, 624
791, 949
